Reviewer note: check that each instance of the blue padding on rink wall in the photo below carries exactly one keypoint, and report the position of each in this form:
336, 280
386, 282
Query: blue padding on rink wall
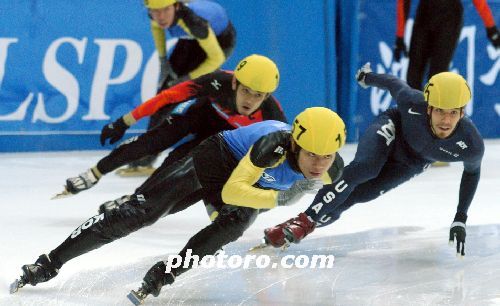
72, 66
54, 142
347, 45
69, 67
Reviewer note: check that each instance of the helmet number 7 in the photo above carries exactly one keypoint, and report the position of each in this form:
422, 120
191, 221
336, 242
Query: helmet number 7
302, 129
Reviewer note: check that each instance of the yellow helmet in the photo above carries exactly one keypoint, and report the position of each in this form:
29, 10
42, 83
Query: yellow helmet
158, 4
319, 130
258, 72
447, 90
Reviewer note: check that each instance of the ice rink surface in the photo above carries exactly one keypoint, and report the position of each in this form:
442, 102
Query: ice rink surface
392, 251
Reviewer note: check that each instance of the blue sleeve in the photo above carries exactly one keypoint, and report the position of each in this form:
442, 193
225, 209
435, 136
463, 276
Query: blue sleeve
468, 186
399, 90
470, 180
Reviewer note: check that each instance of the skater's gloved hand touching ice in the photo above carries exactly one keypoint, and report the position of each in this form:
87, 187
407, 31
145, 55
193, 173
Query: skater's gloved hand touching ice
458, 233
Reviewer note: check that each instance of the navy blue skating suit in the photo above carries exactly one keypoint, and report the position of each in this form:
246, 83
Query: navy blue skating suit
397, 146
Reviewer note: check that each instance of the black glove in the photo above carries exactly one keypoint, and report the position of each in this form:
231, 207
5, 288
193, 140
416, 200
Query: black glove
113, 131
166, 72
494, 36
399, 47
361, 75
457, 231
156, 278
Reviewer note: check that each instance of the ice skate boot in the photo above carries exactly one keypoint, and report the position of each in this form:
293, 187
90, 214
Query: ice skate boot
139, 168
41, 271
83, 181
155, 279
299, 228
274, 236
138, 171
110, 205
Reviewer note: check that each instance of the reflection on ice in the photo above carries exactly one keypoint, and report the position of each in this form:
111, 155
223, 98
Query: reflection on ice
389, 266
392, 251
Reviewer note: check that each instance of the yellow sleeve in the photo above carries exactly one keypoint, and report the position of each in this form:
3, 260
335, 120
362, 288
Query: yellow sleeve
159, 38
215, 55
326, 178
239, 189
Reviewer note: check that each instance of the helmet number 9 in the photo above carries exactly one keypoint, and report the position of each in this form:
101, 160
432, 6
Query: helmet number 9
427, 92
241, 65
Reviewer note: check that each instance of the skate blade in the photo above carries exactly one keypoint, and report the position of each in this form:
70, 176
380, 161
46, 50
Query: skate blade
14, 287
440, 164
135, 172
259, 247
284, 247
135, 297
64, 194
